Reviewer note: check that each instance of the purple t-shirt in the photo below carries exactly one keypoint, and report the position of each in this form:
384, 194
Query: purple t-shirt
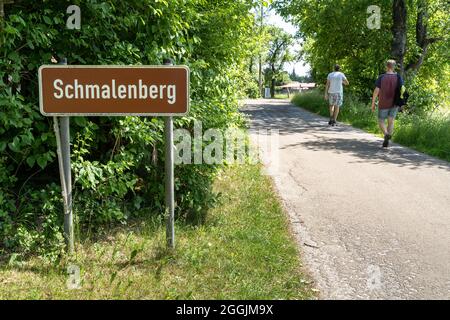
388, 85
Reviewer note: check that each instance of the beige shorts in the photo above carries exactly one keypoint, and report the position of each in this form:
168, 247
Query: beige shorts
335, 99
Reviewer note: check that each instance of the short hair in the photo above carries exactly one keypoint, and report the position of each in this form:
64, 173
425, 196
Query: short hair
391, 64
337, 67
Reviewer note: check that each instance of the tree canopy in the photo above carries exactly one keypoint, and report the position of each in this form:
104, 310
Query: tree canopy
278, 54
414, 32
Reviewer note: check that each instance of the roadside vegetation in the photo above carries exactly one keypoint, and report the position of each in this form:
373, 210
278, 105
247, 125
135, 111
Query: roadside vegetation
243, 250
232, 243
117, 163
428, 132
282, 96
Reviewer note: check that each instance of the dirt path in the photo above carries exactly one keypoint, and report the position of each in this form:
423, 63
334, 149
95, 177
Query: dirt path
371, 223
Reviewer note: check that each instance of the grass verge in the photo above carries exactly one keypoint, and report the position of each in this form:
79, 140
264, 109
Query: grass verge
427, 133
282, 96
243, 251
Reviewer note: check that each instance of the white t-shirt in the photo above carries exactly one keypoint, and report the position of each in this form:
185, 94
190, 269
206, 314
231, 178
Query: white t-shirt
336, 79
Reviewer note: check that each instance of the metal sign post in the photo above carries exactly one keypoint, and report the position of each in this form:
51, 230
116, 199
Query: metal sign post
66, 91
63, 150
169, 178
169, 182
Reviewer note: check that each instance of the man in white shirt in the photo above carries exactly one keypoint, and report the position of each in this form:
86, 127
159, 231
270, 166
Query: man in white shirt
334, 92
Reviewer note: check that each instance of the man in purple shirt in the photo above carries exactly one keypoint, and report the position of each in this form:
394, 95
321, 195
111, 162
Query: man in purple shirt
386, 88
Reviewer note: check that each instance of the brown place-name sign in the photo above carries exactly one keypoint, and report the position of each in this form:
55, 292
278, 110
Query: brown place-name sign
113, 90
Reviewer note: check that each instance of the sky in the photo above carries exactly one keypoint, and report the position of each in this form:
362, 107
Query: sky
277, 20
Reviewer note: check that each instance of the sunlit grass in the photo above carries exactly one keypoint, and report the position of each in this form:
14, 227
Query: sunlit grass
243, 251
282, 96
429, 134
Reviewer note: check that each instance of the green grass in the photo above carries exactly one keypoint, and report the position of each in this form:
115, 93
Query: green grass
243, 251
282, 96
429, 133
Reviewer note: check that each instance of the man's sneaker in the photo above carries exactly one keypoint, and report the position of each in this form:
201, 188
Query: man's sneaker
387, 137
330, 123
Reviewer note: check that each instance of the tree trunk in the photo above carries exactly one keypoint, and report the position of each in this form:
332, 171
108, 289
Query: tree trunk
272, 88
260, 71
399, 32
422, 39
273, 82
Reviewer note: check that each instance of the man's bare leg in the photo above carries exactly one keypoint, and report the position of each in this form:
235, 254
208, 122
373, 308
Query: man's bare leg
331, 112
331, 115
382, 125
390, 128
387, 135
336, 113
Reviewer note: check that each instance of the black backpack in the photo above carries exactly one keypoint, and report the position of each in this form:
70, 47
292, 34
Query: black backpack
399, 100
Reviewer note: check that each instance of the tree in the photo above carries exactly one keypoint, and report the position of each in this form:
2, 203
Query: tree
414, 32
279, 53
399, 32
422, 38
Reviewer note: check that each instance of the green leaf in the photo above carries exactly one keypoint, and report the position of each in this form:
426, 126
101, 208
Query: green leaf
31, 161
47, 20
80, 121
11, 30
42, 162
15, 145
14, 56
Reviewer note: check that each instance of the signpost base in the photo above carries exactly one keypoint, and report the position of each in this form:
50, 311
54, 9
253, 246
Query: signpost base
63, 150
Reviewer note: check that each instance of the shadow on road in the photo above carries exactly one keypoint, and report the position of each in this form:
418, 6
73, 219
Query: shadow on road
370, 151
289, 120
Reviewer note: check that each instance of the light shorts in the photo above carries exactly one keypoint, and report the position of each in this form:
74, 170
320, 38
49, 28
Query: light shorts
383, 114
336, 99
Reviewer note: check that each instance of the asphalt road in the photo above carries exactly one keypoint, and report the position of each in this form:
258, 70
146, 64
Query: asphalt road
371, 223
